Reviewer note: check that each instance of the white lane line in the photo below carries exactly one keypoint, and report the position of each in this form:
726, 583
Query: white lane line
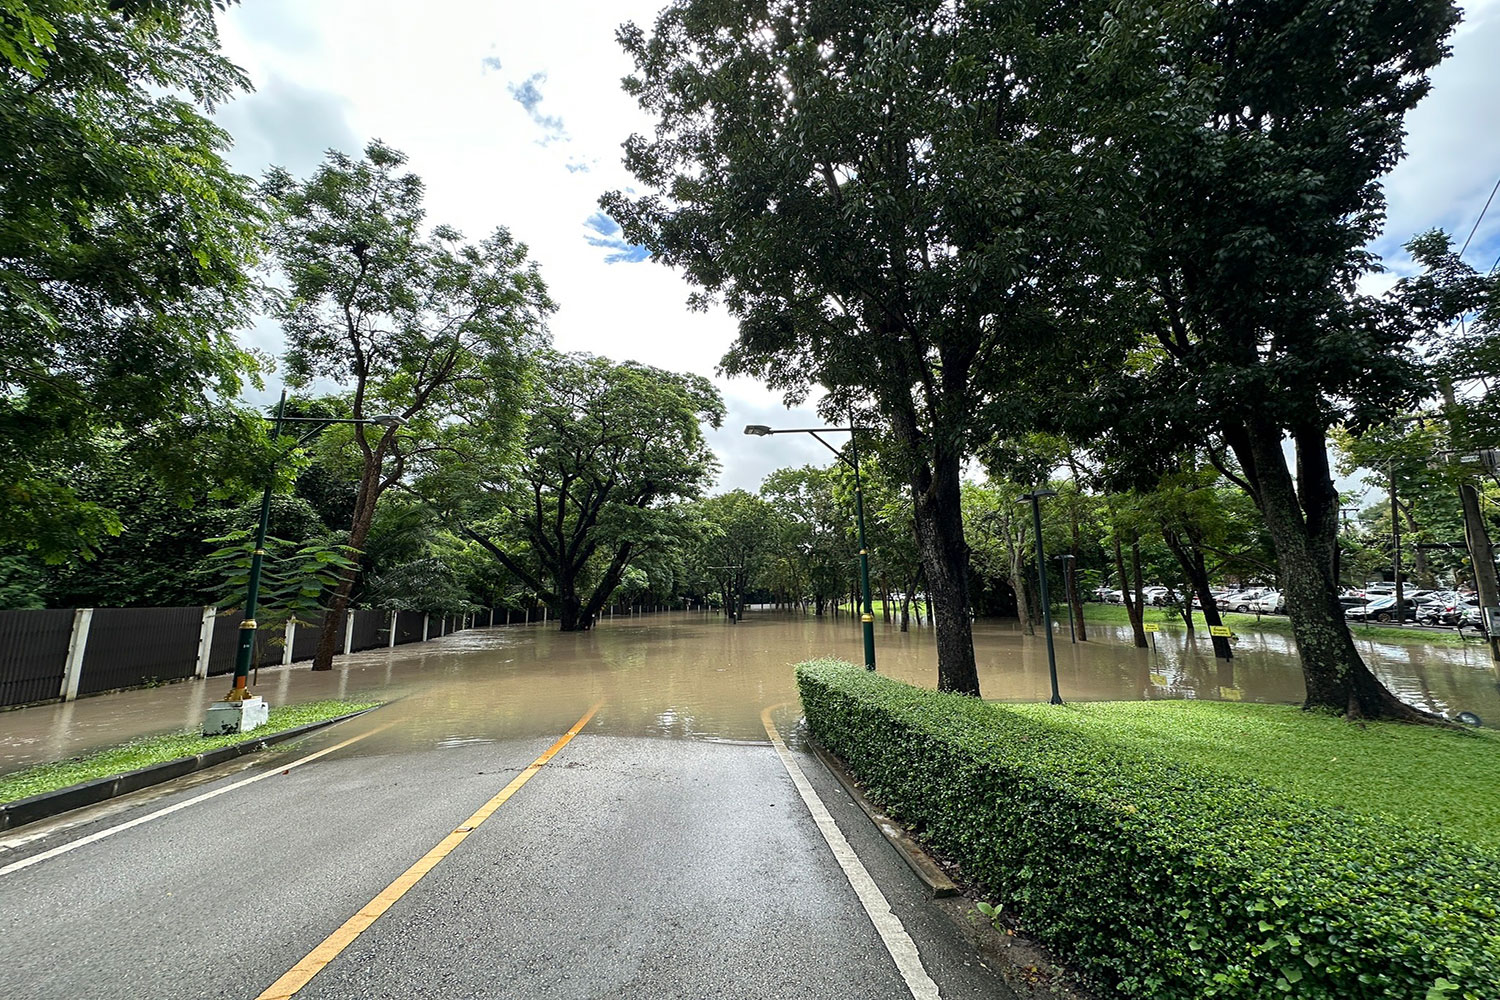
16, 866
902, 948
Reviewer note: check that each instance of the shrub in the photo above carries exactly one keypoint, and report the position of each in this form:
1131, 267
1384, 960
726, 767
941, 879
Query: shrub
1155, 877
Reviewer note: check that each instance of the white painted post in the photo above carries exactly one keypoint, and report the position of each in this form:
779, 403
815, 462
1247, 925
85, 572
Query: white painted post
392, 643
77, 643
544, 614
425, 617
492, 617
286, 649
348, 632
528, 617
205, 642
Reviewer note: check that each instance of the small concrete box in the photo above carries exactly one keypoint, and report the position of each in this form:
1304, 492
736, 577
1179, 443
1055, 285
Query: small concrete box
236, 717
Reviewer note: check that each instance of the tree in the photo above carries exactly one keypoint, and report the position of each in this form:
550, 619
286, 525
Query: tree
419, 325
815, 532
609, 448
1458, 311
865, 187
124, 255
1248, 143
740, 532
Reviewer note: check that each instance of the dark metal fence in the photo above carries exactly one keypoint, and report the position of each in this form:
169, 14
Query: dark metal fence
371, 629
125, 647
226, 643
305, 641
33, 654
128, 646
408, 627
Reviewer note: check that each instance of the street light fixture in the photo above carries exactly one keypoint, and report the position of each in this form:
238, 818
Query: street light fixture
867, 619
245, 652
1034, 498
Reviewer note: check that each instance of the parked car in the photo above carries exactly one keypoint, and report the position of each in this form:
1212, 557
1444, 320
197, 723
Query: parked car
1269, 603
1382, 610
1241, 601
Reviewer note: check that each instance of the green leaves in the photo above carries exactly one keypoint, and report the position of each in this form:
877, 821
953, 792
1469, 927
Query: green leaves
125, 255
1159, 878
295, 578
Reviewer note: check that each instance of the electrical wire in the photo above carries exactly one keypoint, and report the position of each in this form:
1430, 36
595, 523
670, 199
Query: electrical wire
1482, 211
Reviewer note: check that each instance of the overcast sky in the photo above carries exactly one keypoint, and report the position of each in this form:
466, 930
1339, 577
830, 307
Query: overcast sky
513, 115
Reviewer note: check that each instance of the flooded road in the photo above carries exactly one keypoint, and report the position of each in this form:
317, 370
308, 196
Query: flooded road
690, 675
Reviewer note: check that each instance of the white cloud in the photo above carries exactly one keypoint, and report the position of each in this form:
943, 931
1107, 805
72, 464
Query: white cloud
447, 82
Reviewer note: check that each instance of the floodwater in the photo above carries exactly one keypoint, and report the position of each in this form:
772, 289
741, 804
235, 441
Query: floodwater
689, 675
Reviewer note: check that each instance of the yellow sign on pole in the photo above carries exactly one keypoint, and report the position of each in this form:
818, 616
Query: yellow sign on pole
1220, 630
1160, 680
1151, 627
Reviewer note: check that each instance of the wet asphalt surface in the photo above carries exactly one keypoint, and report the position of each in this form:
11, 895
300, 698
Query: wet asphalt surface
629, 866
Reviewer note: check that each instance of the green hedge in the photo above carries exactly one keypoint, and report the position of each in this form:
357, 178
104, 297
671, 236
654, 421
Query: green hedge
1156, 878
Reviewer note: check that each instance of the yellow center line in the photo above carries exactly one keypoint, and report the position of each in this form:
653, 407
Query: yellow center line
302, 973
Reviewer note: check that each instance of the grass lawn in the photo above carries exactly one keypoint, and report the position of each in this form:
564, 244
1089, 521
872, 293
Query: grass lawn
150, 750
1115, 614
1416, 775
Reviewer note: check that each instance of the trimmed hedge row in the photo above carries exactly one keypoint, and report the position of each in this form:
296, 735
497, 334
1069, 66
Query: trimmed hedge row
1160, 879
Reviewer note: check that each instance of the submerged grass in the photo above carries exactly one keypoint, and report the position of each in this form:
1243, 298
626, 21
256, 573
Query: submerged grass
150, 750
1438, 779
1115, 614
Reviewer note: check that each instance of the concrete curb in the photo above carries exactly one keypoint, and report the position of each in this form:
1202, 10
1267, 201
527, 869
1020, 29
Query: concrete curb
917, 859
86, 793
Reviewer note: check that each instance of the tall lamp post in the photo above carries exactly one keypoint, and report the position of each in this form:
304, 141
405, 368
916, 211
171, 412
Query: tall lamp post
867, 619
1035, 498
245, 652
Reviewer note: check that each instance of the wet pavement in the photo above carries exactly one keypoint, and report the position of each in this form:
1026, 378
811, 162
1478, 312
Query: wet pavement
691, 675
664, 852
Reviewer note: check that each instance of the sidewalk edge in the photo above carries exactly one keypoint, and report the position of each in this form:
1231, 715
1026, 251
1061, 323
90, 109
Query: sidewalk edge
918, 860
48, 804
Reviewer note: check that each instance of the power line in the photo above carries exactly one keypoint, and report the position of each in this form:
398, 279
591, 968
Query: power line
1483, 210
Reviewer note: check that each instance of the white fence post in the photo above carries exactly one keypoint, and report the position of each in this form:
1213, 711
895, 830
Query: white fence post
492, 617
77, 643
205, 642
348, 632
426, 619
291, 637
544, 614
392, 643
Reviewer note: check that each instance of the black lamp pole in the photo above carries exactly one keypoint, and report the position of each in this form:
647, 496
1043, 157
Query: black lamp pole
1035, 498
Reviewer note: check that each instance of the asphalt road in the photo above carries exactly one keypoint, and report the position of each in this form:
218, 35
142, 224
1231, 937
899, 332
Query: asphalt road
627, 867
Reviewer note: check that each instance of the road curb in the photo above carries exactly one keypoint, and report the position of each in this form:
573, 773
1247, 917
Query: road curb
87, 793
917, 859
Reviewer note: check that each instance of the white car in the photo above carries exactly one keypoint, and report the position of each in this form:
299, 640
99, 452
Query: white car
1269, 603
1241, 601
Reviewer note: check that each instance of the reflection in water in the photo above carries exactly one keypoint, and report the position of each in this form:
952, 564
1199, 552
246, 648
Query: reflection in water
685, 675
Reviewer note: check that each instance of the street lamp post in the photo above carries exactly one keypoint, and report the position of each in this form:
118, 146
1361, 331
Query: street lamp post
1034, 498
245, 652
867, 619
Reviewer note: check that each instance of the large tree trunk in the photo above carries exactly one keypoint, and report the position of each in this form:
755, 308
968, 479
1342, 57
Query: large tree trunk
330, 640
1481, 556
1015, 547
1132, 605
1075, 597
1190, 558
945, 564
1304, 533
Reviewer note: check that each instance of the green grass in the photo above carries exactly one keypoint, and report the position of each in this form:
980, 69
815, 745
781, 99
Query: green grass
150, 750
1415, 775
1115, 614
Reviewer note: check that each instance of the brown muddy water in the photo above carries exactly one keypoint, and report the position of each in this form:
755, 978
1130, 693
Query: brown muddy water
688, 675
